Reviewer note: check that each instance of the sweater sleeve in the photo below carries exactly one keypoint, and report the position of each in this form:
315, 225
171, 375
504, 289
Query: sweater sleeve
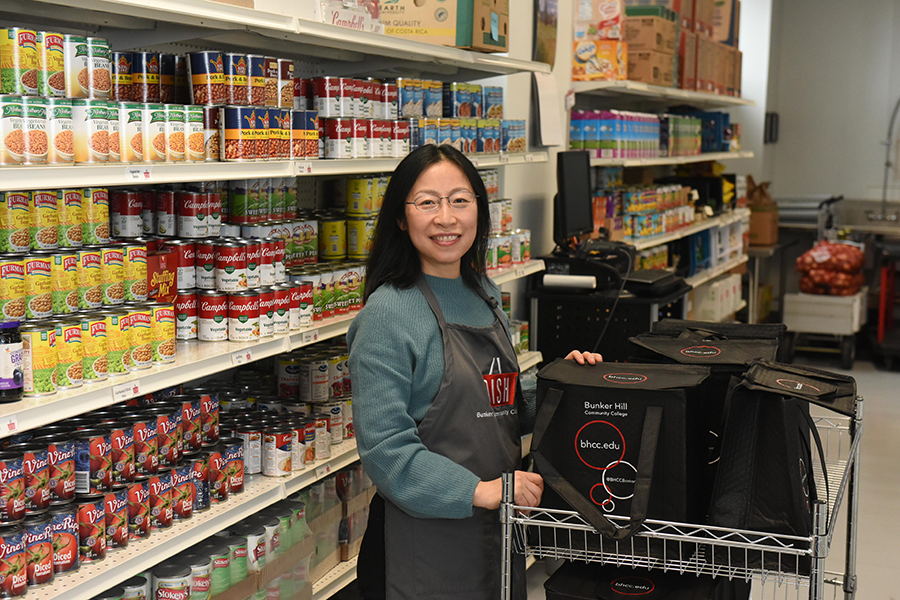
383, 362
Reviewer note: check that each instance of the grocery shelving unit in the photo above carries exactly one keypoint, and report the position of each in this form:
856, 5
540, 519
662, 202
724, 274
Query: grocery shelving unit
335, 580
668, 160
660, 95
713, 272
698, 226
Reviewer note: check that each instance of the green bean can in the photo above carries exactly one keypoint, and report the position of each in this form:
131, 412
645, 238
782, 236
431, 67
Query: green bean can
220, 578
39, 359
237, 545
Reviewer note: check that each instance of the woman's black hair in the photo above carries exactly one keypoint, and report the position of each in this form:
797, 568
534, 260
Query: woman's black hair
394, 259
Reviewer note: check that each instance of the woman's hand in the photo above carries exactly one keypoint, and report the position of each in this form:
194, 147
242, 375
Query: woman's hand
528, 490
592, 358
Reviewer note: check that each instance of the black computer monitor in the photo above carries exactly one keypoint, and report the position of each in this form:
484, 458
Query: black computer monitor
572, 207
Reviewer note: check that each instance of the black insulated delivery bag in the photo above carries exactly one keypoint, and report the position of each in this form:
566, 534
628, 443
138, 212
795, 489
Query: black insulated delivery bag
590, 581
623, 440
731, 331
765, 481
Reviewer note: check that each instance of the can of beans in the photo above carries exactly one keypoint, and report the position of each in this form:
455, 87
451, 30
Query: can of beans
199, 465
207, 75
60, 466
12, 287
60, 132
50, 54
135, 264
153, 136
36, 472
233, 453
91, 517
95, 208
256, 79
125, 213
38, 286
236, 79
231, 266
252, 437
99, 79
112, 272
163, 332
182, 492
122, 80
39, 350
92, 461
19, 67
140, 336
211, 134
285, 83
34, 112
12, 130
237, 133
282, 148
243, 316
193, 215
90, 120
139, 508
166, 78
64, 538
212, 316
145, 77
186, 315
71, 215
262, 132
174, 132
118, 340
194, 134
90, 277
43, 221
94, 343
115, 149
15, 222
161, 513
165, 213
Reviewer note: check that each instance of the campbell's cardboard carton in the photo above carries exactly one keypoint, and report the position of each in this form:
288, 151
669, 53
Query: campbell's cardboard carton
651, 33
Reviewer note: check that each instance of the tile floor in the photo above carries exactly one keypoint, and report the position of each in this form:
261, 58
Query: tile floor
879, 503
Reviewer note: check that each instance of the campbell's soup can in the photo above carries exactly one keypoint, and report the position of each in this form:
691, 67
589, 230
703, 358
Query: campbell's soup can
148, 212
14, 576
125, 213
219, 483
165, 207
205, 265
282, 308
36, 472
116, 507
64, 538
338, 138
60, 465
214, 215
254, 256
185, 262
266, 312
231, 266
252, 437
212, 322
193, 215
186, 315
91, 517
279, 260
199, 464
38, 550
267, 261
139, 508
146, 443
161, 513
303, 290
182, 492
243, 316
93, 461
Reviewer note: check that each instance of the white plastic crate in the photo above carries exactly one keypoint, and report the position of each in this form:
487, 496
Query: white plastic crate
813, 313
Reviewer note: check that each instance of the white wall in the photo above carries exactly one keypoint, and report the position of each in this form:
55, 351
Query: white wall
835, 75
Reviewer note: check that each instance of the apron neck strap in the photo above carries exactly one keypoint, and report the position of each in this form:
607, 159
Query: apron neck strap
426, 290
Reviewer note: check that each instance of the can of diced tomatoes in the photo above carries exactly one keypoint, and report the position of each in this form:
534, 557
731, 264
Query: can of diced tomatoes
162, 332
168, 433
61, 466
209, 415
219, 486
93, 461
193, 215
121, 439
139, 508
191, 422
64, 537
39, 550
212, 322
91, 517
186, 315
182, 492
36, 471
117, 533
161, 513
112, 274
243, 316
231, 266
146, 444
199, 464
135, 262
14, 578
233, 454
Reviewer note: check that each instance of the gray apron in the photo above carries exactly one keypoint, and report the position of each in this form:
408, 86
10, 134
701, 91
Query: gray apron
473, 422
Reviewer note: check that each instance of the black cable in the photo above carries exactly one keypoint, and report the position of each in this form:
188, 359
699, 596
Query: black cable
615, 303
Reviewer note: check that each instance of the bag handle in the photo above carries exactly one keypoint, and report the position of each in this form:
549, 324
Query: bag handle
701, 335
643, 481
818, 439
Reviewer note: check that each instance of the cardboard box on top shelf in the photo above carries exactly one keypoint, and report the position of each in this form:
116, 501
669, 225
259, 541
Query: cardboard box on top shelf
729, 70
653, 68
738, 72
727, 22
722, 57
704, 12
481, 25
706, 64
687, 60
651, 33
763, 214
684, 9
601, 60
599, 19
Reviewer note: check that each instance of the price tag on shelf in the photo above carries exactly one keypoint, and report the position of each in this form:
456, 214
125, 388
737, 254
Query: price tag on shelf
242, 357
474, 161
308, 337
323, 470
520, 272
504, 159
127, 390
9, 424
303, 168
529, 157
139, 174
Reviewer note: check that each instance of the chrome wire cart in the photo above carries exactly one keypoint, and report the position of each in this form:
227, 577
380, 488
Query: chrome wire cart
779, 566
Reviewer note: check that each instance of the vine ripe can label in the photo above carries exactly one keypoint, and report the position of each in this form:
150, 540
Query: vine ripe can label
61, 461
121, 438
139, 508
64, 537
93, 462
161, 513
200, 478
209, 416
233, 453
91, 519
219, 487
116, 507
38, 550
146, 444
182, 492
14, 576
186, 324
212, 311
36, 469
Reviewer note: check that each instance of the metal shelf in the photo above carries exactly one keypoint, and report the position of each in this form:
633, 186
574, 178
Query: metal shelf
709, 274
669, 96
26, 178
668, 160
335, 580
529, 359
726, 219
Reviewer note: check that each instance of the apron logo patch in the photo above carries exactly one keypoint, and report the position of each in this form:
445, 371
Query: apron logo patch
795, 385
625, 378
702, 351
501, 389
632, 586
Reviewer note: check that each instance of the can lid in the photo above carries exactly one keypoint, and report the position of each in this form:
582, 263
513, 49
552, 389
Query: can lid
38, 519
194, 559
62, 509
171, 570
135, 582
9, 325
114, 593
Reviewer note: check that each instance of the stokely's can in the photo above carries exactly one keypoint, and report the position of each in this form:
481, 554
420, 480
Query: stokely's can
233, 453
71, 215
95, 208
90, 278
121, 438
205, 265
93, 462
118, 342
140, 335
139, 508
38, 286
116, 505
60, 131
39, 350
243, 316
145, 77
162, 332
193, 215
64, 281
212, 322
135, 262
90, 120
199, 465
12, 288
165, 213
231, 266
219, 483
266, 312
161, 513
61, 467
112, 273
252, 437
282, 308
125, 213
171, 581
207, 75
64, 538
13, 578
136, 588
15, 222
186, 321
36, 472
91, 517
182, 492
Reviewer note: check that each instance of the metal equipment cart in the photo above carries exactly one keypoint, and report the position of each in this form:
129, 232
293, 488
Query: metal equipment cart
705, 550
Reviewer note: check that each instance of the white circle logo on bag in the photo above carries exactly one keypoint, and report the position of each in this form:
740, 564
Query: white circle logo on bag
796, 386
625, 378
702, 351
632, 586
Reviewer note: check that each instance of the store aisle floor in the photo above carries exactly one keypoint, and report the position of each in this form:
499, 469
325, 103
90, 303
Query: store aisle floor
879, 508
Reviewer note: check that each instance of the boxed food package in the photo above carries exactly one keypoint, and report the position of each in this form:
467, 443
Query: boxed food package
729, 70
655, 34
162, 280
651, 67
599, 19
727, 22
687, 61
684, 9
704, 13
722, 57
738, 71
604, 60
706, 64
763, 214
473, 24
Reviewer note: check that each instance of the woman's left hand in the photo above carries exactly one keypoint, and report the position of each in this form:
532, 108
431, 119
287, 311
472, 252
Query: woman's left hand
591, 358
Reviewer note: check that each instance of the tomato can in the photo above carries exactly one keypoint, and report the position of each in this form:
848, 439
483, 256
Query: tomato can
139, 508
163, 332
135, 267
233, 453
199, 464
36, 471
140, 336
252, 437
112, 274
171, 581
118, 342
39, 550
14, 578
60, 467
93, 462
205, 265
64, 538
146, 443
165, 213
160, 486
38, 359
231, 266
219, 482
64, 281
168, 433
192, 422
121, 438
91, 518
243, 316
182, 492
116, 508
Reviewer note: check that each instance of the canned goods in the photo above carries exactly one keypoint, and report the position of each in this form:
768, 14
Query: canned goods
44, 221
12, 130
355, 286
39, 550
252, 438
112, 273
236, 79
323, 437
164, 205
118, 340
36, 146
15, 222
64, 281
136, 588
233, 454
194, 134
140, 335
333, 238
243, 316
38, 286
214, 213
281, 308
360, 237
205, 265
174, 134
125, 213
93, 462
212, 313
99, 79
90, 120
171, 580
262, 132
220, 577
95, 347
162, 332
211, 134
167, 78
18, 48
231, 266
36, 473
334, 410
12, 288
200, 477
254, 255
122, 79
91, 518
135, 270
113, 118
60, 467
314, 380
95, 210
116, 508
69, 353
338, 138
207, 75
349, 431
201, 571
219, 482
139, 508
145, 77
64, 538
182, 492
186, 323
298, 445
14, 579
301, 304
193, 218
71, 215
39, 359
168, 433
209, 415
309, 440
160, 486
90, 277
60, 132
153, 133
266, 312
237, 133
49, 63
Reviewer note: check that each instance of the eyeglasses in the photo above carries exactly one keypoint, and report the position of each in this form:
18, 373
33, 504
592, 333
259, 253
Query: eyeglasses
430, 203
